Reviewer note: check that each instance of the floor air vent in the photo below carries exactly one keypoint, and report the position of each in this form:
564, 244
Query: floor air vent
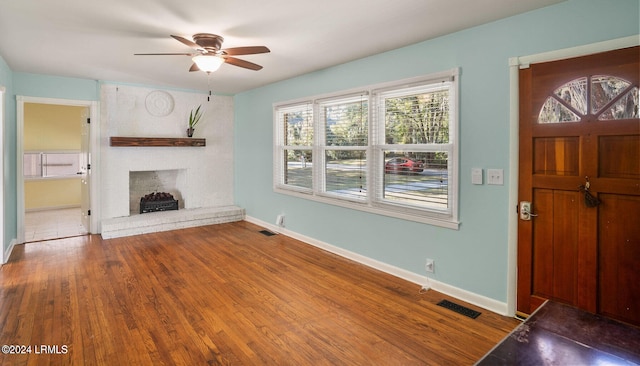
267, 233
459, 309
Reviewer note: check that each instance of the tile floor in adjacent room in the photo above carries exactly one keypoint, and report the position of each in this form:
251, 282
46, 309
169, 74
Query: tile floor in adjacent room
53, 224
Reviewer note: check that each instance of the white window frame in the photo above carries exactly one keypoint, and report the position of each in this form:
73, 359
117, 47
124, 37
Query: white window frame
280, 147
320, 172
70, 166
374, 202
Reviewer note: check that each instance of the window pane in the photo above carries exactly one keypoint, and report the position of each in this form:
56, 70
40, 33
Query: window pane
625, 108
574, 93
39, 165
298, 170
554, 112
298, 127
31, 166
346, 173
346, 124
604, 89
417, 178
418, 118
60, 164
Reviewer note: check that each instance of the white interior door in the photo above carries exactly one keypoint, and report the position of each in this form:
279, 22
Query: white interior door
85, 170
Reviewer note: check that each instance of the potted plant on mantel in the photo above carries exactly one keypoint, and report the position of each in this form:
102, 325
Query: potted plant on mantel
194, 118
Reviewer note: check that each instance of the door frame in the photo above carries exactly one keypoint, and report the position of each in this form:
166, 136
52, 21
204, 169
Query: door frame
94, 158
3, 92
515, 64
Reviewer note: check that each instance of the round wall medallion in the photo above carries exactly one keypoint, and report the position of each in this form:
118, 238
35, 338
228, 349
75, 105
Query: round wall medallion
159, 103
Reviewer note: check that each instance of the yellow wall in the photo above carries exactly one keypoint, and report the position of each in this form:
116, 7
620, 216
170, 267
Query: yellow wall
47, 193
51, 128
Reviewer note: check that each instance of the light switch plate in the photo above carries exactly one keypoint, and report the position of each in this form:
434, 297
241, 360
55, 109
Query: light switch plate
495, 176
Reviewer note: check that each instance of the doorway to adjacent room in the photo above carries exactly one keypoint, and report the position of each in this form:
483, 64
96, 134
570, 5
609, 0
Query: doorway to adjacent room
54, 169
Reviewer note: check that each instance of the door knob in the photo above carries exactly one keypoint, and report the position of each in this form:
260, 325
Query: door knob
525, 211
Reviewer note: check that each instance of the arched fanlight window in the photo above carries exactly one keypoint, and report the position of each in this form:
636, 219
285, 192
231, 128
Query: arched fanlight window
606, 97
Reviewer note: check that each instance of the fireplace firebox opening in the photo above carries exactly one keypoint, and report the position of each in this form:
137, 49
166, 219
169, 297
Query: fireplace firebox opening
156, 190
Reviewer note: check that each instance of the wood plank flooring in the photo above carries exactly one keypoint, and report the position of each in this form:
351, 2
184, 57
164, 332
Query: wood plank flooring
223, 295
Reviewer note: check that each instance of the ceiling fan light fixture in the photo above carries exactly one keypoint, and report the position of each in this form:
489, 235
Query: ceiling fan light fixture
208, 63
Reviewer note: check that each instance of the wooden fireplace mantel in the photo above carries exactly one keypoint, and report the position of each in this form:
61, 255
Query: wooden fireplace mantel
155, 141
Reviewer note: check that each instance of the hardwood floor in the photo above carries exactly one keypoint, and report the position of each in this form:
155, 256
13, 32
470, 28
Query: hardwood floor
223, 294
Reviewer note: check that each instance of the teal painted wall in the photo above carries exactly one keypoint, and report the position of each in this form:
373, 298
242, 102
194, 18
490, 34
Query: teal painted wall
9, 156
47, 86
473, 258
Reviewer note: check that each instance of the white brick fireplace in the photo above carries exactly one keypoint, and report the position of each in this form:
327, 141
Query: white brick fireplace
201, 178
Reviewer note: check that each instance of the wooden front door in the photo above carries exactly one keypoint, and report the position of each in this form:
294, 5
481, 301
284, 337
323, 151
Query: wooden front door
580, 170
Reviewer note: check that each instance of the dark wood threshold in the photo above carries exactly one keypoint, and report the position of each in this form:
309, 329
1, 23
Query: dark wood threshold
559, 334
156, 141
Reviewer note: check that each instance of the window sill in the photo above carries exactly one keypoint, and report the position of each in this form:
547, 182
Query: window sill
408, 214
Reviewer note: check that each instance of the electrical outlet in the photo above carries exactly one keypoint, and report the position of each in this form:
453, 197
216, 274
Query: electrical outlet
280, 220
430, 266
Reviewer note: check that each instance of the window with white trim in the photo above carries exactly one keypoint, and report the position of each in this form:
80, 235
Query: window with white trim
389, 148
295, 147
343, 145
39, 165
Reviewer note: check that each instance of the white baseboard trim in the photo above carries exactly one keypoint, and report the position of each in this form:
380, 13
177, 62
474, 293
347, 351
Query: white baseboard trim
464, 295
7, 253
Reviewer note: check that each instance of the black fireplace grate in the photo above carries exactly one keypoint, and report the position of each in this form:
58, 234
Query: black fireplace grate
155, 202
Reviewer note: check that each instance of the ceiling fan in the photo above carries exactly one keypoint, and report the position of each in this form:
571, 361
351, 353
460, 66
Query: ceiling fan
209, 55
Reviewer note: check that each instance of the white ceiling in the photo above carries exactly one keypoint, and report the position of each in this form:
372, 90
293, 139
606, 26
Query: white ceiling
97, 39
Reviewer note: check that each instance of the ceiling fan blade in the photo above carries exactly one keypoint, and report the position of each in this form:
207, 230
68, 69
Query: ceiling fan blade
235, 51
164, 54
194, 67
242, 63
187, 42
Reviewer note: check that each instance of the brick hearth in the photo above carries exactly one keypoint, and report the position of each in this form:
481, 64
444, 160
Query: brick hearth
169, 220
